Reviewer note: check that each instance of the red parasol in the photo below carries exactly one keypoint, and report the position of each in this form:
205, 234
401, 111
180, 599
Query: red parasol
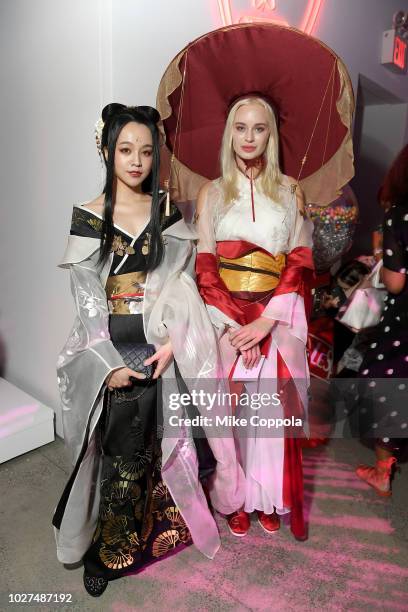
306, 81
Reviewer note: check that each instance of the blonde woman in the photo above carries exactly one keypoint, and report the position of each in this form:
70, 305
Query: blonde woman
253, 266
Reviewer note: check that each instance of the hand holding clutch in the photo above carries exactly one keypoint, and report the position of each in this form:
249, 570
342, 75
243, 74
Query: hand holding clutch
162, 358
121, 378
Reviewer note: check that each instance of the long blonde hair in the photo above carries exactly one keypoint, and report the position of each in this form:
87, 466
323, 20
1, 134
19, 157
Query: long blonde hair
271, 176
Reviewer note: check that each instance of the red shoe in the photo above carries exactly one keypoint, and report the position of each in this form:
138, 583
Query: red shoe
378, 477
268, 522
238, 523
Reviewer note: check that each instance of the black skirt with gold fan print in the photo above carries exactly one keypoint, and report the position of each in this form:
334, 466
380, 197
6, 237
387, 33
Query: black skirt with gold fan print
138, 521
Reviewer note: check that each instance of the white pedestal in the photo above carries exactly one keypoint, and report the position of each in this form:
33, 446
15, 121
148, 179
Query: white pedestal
25, 423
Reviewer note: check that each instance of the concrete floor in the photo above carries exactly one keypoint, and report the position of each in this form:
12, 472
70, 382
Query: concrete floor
356, 557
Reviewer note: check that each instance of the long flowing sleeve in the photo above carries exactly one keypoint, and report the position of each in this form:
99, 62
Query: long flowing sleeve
172, 302
221, 308
88, 355
291, 299
93, 315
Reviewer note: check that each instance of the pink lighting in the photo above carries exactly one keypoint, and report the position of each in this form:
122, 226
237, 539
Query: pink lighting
16, 426
17, 419
400, 53
307, 25
311, 14
373, 524
264, 4
225, 12
254, 19
16, 413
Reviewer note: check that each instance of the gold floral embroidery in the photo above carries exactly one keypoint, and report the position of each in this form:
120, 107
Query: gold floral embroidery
78, 216
82, 217
146, 244
96, 224
121, 247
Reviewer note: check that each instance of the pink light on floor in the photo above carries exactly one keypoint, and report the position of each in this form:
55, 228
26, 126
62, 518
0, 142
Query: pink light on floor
374, 524
339, 497
353, 560
330, 473
338, 483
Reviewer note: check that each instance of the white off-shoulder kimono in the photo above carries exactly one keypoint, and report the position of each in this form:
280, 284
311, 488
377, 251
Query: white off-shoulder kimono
172, 308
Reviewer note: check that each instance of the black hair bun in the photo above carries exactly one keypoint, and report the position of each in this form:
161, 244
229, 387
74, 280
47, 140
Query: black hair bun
110, 110
150, 112
114, 108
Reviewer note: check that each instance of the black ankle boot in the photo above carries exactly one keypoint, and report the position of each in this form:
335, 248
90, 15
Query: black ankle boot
94, 585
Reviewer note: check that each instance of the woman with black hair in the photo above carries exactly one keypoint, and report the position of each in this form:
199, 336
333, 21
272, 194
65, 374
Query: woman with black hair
132, 497
386, 360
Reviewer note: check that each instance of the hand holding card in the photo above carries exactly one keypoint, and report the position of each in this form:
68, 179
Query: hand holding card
244, 374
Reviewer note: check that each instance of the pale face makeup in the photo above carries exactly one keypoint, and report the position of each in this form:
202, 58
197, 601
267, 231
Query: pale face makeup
133, 154
250, 131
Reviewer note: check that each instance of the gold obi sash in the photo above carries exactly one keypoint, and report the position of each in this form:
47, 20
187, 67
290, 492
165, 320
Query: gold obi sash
125, 293
254, 272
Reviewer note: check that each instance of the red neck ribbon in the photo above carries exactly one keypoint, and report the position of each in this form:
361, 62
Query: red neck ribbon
250, 164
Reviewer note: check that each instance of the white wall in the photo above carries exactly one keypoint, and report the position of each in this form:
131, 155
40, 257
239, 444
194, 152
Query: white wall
353, 28
61, 61
51, 60
380, 138
147, 34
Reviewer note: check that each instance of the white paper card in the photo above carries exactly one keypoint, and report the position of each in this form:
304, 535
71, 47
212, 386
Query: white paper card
241, 372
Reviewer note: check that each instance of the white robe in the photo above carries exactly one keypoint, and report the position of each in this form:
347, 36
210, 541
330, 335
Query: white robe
172, 307
278, 228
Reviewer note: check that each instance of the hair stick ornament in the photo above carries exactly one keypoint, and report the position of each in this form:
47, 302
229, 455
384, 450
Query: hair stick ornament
167, 188
99, 125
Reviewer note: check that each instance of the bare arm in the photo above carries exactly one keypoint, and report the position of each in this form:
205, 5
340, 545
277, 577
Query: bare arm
394, 281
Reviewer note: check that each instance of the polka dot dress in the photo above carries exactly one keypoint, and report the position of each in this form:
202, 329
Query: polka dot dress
385, 401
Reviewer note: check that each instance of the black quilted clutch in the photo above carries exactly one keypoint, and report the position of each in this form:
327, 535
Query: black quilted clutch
135, 354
